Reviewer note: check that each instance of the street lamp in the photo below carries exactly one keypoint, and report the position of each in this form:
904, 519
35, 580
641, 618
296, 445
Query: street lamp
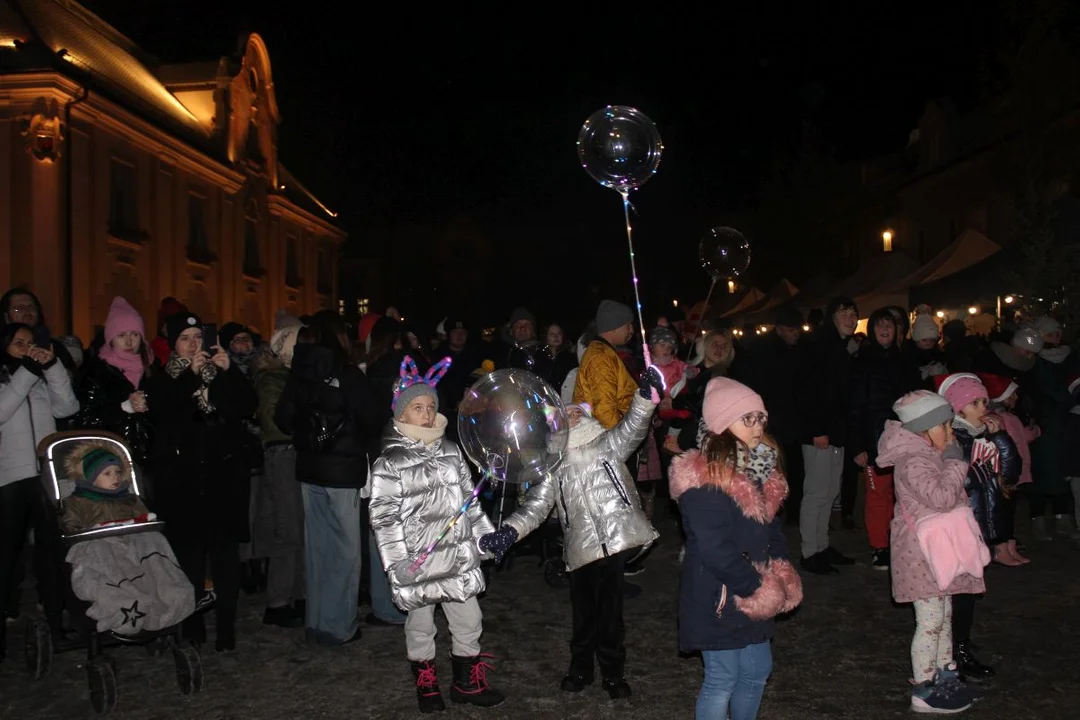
731, 287
886, 240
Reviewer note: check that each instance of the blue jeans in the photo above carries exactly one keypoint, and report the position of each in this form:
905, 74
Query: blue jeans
382, 606
332, 521
734, 682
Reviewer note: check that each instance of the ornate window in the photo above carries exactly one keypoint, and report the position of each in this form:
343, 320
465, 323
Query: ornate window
325, 280
123, 202
252, 265
198, 245
292, 265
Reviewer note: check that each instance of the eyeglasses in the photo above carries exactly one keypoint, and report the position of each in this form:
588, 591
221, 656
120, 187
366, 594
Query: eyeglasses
23, 310
751, 420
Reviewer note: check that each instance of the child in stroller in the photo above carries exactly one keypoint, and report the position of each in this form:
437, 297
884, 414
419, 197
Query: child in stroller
124, 584
102, 494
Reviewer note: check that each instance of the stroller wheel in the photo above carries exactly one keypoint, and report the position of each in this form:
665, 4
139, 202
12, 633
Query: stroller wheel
101, 677
555, 573
39, 648
188, 668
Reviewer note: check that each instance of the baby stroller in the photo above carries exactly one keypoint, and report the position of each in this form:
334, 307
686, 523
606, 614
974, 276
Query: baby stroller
41, 640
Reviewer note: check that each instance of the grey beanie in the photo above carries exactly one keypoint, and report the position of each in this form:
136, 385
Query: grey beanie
520, 314
412, 392
612, 315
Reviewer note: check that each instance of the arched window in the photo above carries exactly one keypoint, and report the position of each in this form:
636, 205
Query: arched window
252, 265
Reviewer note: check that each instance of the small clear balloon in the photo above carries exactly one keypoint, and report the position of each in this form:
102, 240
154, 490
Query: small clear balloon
724, 253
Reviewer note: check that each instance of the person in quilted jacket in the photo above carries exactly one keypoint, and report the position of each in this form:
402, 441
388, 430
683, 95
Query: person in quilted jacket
421, 481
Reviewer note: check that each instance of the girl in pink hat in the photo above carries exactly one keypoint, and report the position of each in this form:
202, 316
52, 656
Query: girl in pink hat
979, 434
736, 576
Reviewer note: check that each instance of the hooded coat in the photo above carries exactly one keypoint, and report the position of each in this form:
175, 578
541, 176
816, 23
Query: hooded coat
82, 512
925, 484
416, 492
736, 576
593, 493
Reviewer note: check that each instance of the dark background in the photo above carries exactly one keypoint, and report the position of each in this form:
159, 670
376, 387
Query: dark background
420, 116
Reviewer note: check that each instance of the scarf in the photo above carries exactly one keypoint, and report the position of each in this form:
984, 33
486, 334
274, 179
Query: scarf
758, 463
243, 360
177, 365
587, 430
428, 436
1056, 355
131, 364
98, 494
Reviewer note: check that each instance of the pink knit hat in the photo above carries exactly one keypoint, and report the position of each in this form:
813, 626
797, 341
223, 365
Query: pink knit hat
726, 401
122, 318
961, 389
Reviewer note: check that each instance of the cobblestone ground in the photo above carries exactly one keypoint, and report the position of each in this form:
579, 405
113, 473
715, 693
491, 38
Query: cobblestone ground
843, 655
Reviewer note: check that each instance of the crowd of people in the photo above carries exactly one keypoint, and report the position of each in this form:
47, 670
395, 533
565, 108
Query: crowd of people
257, 455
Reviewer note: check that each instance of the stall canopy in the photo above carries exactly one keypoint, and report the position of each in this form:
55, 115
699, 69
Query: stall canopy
980, 283
969, 248
751, 297
781, 293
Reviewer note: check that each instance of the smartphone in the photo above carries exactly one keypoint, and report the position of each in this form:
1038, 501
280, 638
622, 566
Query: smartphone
209, 337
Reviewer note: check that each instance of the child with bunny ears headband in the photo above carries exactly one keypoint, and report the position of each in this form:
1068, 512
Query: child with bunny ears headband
429, 547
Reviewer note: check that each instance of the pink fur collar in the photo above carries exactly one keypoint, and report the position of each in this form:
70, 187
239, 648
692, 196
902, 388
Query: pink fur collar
690, 470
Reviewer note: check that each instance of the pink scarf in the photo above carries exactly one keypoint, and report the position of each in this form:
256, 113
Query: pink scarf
127, 363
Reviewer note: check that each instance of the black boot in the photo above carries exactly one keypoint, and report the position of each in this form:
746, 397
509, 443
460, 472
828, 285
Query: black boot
470, 682
971, 670
617, 687
428, 695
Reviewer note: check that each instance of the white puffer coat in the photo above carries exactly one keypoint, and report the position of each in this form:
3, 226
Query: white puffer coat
416, 491
29, 407
594, 494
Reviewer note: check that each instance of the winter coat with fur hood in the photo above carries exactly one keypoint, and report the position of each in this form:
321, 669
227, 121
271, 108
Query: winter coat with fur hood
926, 483
736, 576
417, 489
84, 510
593, 492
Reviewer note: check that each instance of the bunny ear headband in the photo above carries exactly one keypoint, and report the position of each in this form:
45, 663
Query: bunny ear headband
408, 375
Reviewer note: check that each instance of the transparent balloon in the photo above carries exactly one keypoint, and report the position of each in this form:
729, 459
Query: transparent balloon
724, 253
513, 425
619, 147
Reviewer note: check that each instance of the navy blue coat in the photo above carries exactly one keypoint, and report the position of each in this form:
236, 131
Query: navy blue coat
735, 576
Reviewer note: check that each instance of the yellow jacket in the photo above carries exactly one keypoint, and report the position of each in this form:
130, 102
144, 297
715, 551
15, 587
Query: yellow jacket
605, 383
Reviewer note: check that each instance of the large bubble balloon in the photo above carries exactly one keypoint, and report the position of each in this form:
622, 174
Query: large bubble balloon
724, 253
513, 425
619, 147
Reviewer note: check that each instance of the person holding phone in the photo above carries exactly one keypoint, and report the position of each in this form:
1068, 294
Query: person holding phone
199, 404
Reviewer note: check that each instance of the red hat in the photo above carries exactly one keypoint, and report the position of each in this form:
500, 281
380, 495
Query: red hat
1074, 383
997, 387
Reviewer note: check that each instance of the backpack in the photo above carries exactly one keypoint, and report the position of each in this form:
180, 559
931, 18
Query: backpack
314, 429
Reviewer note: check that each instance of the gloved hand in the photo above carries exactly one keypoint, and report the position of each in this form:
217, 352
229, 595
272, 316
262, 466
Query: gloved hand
652, 385
404, 572
498, 542
952, 451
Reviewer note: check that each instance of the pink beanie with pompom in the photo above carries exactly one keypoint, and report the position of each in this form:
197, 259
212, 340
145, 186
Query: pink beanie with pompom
726, 401
961, 389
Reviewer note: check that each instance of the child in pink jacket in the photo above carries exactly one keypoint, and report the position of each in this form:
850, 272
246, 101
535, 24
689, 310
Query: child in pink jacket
1003, 399
928, 478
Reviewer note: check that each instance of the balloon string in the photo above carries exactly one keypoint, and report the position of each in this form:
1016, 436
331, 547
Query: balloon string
633, 271
485, 474
637, 296
701, 320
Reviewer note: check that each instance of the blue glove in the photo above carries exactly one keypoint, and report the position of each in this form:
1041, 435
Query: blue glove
498, 542
651, 380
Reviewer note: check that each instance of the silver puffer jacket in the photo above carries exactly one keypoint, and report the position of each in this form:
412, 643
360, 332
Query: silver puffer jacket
594, 494
416, 492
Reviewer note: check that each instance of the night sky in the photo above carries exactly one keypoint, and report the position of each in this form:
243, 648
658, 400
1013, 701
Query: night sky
420, 116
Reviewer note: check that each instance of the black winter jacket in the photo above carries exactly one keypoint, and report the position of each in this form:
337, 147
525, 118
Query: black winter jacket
339, 391
879, 377
983, 485
102, 390
824, 393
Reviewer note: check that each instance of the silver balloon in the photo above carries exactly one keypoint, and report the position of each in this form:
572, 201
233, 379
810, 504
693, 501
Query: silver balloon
513, 425
619, 147
724, 253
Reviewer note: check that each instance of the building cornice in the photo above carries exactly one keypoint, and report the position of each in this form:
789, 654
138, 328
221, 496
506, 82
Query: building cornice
282, 207
25, 88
